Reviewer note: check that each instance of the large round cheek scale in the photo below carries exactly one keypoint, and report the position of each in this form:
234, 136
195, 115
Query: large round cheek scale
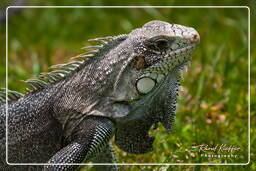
145, 85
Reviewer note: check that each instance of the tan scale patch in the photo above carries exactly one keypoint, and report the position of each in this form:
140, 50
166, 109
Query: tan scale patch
139, 62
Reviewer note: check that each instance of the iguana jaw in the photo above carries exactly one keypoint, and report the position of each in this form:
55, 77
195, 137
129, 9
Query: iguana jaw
133, 130
170, 60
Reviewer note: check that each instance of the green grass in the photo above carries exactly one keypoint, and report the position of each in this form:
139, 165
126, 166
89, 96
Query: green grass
213, 109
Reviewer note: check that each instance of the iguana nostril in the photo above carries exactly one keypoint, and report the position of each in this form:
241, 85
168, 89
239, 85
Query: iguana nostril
196, 38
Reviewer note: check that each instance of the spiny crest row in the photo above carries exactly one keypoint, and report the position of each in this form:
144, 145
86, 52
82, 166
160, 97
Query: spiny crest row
62, 70
9, 95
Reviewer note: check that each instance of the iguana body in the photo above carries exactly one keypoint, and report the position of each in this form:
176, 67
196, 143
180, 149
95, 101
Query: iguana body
123, 88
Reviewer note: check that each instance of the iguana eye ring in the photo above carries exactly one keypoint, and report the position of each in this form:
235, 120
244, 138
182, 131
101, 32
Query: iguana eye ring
161, 44
145, 84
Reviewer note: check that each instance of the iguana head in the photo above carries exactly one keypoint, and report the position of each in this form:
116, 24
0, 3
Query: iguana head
149, 79
149, 54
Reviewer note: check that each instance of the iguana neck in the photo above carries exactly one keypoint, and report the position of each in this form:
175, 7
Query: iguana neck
82, 92
159, 106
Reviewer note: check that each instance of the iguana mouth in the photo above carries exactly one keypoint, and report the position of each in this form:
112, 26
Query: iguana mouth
169, 60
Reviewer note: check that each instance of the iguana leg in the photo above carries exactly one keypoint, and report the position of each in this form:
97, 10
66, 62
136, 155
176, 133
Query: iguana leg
89, 140
108, 156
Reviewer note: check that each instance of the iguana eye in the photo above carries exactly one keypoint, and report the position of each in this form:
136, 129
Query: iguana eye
162, 44
159, 43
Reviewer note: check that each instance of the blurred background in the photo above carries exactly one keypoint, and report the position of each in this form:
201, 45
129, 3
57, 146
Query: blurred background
213, 108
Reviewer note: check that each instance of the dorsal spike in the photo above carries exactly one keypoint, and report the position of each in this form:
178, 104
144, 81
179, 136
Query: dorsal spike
94, 51
3, 95
33, 85
47, 78
92, 47
109, 39
67, 68
16, 94
28, 90
53, 76
41, 82
57, 66
60, 73
36, 83
72, 64
103, 40
63, 70
75, 63
83, 56
11, 95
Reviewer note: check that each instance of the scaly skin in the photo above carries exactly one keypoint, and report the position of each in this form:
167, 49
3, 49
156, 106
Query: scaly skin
129, 84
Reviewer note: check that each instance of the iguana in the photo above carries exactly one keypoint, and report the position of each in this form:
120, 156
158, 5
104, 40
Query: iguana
122, 88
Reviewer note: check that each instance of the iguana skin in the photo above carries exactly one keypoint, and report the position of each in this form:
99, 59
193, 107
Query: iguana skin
122, 88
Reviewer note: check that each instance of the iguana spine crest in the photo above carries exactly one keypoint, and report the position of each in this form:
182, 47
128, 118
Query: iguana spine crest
61, 71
